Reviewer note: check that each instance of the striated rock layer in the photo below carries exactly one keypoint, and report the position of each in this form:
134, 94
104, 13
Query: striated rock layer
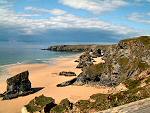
127, 59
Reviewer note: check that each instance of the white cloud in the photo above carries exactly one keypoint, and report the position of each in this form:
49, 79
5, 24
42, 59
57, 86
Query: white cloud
95, 6
60, 20
140, 17
42, 10
64, 21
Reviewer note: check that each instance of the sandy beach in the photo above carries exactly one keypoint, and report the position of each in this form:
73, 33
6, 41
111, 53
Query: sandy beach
44, 75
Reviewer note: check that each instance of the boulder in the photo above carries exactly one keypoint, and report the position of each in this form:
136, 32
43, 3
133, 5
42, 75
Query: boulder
64, 73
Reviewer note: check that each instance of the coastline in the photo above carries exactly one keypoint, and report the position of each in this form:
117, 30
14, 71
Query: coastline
44, 75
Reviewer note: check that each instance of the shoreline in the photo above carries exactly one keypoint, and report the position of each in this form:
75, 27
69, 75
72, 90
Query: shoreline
4, 74
44, 75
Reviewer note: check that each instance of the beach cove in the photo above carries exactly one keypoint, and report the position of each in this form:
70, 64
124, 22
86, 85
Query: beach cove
44, 75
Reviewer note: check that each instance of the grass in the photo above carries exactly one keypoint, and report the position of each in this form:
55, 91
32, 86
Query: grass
143, 39
130, 83
148, 80
143, 65
58, 109
95, 70
106, 101
38, 103
123, 61
63, 107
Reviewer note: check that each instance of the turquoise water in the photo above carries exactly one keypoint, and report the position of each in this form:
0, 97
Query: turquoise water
27, 55
21, 54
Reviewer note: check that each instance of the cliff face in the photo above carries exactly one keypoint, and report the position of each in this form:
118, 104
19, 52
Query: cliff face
125, 60
128, 59
77, 48
127, 63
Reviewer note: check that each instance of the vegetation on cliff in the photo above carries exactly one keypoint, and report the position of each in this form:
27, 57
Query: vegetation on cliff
127, 59
128, 63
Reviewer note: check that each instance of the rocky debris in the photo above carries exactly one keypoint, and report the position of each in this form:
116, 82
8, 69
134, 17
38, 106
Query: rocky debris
43, 104
18, 85
64, 73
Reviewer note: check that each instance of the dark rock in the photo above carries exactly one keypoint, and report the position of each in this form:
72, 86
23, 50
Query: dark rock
64, 73
76, 61
97, 53
85, 60
1, 95
18, 85
67, 83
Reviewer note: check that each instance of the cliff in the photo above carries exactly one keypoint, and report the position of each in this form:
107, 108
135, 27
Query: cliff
77, 48
127, 59
127, 63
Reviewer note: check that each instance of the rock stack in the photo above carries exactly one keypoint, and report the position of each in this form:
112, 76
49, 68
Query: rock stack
18, 85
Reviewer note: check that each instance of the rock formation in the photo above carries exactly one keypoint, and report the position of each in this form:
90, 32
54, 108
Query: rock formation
96, 49
39, 104
64, 73
43, 104
18, 85
85, 60
127, 59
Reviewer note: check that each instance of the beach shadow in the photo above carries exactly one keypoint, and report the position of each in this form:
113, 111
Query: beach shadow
9, 96
34, 90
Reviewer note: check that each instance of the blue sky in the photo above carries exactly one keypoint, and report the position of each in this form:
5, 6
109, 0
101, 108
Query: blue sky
73, 20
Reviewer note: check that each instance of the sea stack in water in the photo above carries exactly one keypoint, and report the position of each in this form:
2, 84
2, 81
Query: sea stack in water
18, 85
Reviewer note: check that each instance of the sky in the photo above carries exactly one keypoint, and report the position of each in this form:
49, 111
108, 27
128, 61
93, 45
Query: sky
48, 21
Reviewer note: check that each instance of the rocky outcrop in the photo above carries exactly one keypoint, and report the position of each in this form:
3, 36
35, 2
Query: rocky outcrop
67, 83
127, 59
78, 48
85, 60
65, 106
43, 104
18, 85
64, 73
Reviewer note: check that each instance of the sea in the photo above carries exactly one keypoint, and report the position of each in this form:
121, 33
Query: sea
14, 54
